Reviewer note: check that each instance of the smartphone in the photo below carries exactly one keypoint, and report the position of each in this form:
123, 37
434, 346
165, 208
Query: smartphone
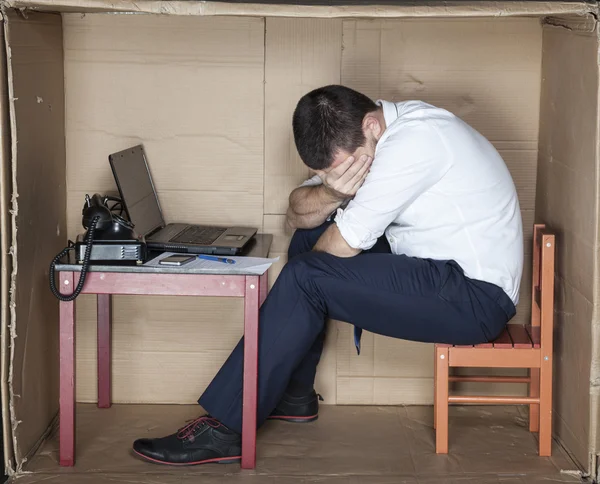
176, 260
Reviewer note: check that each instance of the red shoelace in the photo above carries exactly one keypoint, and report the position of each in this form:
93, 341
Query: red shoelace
191, 427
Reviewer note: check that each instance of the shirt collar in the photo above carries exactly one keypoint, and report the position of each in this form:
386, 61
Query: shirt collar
390, 111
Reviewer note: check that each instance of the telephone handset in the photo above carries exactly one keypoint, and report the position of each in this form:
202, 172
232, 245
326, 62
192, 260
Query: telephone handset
109, 238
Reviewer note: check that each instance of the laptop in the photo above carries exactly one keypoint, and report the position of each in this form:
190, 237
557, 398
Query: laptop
140, 203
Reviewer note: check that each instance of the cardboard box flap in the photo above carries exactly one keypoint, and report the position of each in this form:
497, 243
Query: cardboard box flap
36, 96
318, 8
5, 250
567, 200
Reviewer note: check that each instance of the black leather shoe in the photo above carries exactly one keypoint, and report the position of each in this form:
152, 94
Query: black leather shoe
202, 441
301, 409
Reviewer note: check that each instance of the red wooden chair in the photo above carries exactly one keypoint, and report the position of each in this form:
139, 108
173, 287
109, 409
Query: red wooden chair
519, 346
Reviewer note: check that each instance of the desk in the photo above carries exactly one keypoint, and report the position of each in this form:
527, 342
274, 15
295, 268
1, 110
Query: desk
104, 281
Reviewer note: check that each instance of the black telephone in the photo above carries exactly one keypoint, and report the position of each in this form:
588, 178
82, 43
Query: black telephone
109, 239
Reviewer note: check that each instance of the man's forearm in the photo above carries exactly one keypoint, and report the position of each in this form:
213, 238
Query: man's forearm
310, 206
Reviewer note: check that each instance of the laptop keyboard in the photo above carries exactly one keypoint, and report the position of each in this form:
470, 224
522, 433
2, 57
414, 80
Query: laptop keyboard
196, 234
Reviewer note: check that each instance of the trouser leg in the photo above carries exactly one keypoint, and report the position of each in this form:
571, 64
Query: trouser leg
303, 379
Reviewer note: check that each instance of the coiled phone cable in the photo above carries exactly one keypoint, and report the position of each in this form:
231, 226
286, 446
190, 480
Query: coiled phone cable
89, 238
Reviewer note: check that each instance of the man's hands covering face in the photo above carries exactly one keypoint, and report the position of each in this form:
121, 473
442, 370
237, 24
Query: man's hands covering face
344, 180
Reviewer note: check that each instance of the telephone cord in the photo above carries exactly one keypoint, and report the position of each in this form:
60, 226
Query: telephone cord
89, 239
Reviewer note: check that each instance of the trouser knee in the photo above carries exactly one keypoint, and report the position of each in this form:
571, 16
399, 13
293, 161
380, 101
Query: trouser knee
299, 244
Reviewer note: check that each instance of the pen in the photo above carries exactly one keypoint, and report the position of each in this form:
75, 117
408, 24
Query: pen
216, 259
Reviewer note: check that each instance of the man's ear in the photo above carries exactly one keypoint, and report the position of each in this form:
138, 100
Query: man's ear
372, 125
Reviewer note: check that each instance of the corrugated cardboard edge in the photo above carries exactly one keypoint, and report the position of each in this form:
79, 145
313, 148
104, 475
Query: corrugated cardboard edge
583, 23
595, 328
5, 261
409, 9
11, 329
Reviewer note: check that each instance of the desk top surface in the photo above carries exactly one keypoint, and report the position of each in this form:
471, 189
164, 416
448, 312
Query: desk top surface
259, 246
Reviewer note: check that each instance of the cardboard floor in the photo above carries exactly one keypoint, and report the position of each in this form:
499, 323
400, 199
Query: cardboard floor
347, 445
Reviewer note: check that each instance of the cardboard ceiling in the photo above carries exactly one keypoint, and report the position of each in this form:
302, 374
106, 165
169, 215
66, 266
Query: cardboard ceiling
355, 8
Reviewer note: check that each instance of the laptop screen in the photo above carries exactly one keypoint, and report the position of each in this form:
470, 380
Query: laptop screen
134, 182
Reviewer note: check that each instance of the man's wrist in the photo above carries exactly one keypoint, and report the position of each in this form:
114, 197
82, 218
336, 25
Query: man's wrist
333, 195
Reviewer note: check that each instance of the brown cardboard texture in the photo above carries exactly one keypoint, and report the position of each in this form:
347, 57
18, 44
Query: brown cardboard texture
209, 88
194, 146
35, 80
567, 199
317, 8
346, 445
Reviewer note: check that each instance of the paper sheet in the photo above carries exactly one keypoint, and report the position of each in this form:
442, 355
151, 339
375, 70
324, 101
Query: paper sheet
253, 265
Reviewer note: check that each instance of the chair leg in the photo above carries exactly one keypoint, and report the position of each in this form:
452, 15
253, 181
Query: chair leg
534, 408
545, 435
441, 401
435, 383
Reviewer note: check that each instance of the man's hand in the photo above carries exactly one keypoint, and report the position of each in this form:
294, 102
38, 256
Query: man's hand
310, 206
343, 181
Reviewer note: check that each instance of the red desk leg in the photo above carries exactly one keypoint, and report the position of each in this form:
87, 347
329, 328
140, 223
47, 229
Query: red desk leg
250, 391
67, 373
264, 287
104, 346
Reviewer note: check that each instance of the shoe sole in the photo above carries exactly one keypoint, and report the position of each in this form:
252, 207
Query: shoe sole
218, 460
284, 418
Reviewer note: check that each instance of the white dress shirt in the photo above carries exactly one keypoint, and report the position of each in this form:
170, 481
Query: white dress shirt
438, 190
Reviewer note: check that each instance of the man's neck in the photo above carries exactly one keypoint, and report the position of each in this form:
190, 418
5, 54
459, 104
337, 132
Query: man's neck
381, 119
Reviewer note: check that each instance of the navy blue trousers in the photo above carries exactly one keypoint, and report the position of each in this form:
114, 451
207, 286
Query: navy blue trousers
393, 295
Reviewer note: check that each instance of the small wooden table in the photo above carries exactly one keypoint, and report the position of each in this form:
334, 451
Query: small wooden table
104, 281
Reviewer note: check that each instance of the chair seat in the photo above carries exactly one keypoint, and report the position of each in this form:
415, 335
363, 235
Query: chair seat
517, 336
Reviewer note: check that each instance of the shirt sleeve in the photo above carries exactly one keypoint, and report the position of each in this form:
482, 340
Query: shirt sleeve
405, 166
312, 182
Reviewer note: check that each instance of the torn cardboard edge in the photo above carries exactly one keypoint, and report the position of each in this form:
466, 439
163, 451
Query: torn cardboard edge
585, 24
337, 9
594, 437
9, 418
5, 262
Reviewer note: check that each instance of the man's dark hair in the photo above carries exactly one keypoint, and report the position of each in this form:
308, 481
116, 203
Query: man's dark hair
327, 120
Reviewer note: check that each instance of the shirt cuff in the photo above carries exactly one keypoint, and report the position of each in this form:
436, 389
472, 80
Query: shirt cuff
312, 182
355, 234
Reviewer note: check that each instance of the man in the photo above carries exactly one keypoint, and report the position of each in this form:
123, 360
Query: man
426, 245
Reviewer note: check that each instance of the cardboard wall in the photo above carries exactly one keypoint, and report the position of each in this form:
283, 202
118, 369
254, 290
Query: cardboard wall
212, 101
300, 55
39, 226
567, 201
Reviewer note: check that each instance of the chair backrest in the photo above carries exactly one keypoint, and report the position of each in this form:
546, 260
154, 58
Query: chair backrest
542, 294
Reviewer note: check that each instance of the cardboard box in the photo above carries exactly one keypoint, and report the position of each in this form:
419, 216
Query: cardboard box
209, 88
